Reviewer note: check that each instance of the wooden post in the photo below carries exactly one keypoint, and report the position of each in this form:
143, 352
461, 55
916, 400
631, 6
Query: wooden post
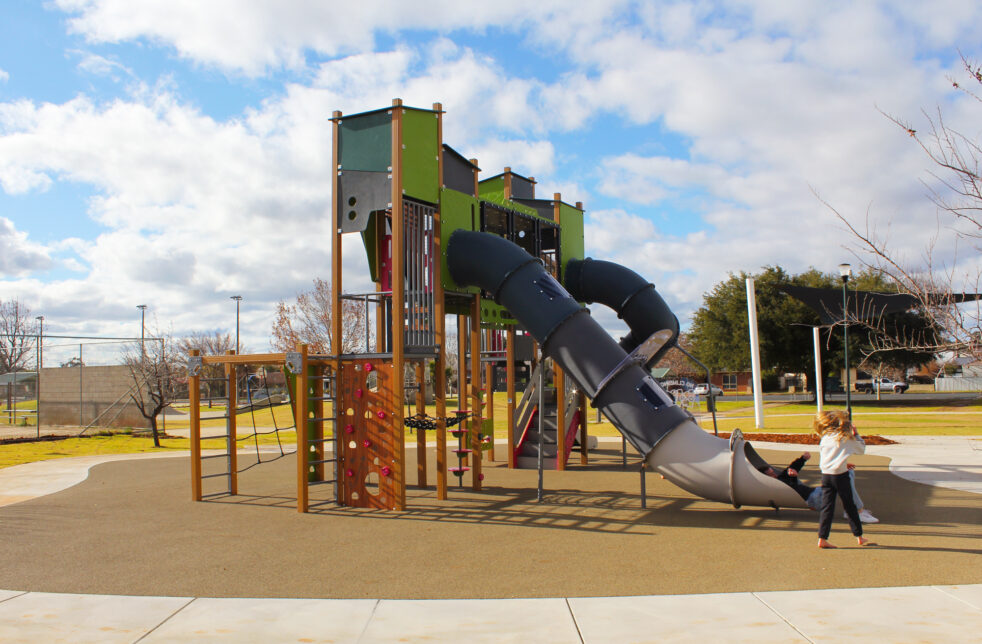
194, 402
506, 181
489, 399
476, 391
440, 333
584, 448
233, 403
510, 377
560, 377
300, 422
420, 433
316, 428
397, 399
560, 381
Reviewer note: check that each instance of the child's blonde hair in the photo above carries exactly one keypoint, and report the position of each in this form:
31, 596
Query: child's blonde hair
833, 423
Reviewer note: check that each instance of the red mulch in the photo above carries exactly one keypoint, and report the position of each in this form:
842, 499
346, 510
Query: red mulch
804, 439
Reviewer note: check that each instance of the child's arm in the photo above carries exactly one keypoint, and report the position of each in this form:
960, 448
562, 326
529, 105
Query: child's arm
859, 445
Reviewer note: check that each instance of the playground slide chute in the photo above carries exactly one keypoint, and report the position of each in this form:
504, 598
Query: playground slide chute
673, 444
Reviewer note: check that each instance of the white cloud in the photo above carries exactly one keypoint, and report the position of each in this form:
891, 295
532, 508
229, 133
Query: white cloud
18, 256
4, 76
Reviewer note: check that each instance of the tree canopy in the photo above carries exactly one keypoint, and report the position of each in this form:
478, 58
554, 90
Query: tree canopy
720, 331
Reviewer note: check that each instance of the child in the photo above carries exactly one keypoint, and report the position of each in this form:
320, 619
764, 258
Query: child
839, 440
813, 495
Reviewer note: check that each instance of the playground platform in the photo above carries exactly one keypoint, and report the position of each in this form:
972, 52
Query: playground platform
119, 553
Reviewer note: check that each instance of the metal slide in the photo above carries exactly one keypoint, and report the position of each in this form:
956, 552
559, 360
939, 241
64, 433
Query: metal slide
615, 380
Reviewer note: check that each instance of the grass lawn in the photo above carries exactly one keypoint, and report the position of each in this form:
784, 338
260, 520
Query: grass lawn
961, 420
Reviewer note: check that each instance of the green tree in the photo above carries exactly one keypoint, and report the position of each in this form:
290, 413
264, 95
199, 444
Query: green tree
720, 330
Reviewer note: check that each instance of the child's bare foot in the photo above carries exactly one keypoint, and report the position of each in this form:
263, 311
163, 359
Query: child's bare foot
806, 455
824, 543
863, 541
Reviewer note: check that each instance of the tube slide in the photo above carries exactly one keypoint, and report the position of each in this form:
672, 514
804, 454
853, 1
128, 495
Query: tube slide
673, 444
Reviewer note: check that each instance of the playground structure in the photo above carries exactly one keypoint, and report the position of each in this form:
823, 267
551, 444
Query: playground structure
511, 267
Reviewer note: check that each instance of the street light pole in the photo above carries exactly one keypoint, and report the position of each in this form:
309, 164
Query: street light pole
143, 326
237, 298
845, 272
37, 378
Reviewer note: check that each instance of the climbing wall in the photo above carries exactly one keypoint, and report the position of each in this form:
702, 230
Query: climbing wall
370, 469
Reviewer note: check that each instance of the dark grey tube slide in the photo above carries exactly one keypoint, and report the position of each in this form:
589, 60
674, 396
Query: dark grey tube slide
632, 297
665, 434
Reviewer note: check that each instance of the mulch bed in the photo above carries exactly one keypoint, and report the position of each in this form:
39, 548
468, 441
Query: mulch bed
804, 439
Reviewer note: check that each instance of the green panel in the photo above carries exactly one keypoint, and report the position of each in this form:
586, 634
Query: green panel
365, 142
495, 315
499, 198
494, 184
369, 238
457, 211
421, 149
571, 245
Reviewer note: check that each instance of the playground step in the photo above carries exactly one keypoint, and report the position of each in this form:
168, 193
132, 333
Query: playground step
532, 450
548, 437
532, 463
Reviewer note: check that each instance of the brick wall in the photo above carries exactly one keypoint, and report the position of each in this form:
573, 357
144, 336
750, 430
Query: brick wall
98, 389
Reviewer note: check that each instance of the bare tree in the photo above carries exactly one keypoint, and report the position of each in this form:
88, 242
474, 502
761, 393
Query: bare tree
215, 343
936, 283
18, 334
155, 374
308, 321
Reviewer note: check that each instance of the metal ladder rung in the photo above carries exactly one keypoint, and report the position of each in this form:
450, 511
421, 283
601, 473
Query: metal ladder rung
321, 398
214, 438
320, 503
313, 483
318, 420
211, 476
205, 458
326, 460
319, 440
213, 494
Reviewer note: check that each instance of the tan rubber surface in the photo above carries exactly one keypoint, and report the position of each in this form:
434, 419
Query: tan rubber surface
131, 528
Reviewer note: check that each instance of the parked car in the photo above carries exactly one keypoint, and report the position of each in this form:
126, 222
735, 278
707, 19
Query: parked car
702, 389
883, 384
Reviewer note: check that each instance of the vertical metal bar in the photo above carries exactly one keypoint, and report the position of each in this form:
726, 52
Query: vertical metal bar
644, 493
194, 404
542, 386
510, 386
300, 422
80, 422
623, 452
476, 404
231, 426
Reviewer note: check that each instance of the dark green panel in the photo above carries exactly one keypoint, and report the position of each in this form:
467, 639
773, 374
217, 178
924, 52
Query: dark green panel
420, 155
365, 142
457, 211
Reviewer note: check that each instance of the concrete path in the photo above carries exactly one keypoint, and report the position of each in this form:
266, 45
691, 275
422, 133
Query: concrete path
903, 614
911, 614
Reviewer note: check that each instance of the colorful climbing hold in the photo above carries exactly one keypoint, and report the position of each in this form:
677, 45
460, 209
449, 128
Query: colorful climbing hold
368, 366
386, 470
380, 414
480, 477
366, 443
349, 429
359, 393
349, 473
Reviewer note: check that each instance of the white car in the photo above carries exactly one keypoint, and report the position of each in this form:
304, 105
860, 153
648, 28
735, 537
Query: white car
702, 389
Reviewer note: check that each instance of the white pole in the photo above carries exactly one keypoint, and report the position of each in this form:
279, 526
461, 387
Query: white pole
755, 354
818, 369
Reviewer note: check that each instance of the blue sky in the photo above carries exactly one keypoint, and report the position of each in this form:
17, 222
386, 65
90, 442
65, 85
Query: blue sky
177, 152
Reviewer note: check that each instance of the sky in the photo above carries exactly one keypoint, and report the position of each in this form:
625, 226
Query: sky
176, 152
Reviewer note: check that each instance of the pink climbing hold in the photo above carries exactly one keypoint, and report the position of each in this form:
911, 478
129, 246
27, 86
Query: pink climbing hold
380, 414
480, 477
368, 366
350, 473
359, 393
386, 470
349, 429
366, 443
